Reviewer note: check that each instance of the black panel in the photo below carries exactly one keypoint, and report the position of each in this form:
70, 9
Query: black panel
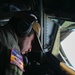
18, 5
60, 8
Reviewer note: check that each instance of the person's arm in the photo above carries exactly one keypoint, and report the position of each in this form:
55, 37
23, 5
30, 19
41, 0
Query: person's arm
7, 68
7, 42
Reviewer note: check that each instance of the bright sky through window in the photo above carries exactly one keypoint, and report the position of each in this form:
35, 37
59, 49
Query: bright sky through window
68, 45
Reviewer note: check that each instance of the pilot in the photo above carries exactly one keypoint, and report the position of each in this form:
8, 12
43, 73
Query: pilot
16, 40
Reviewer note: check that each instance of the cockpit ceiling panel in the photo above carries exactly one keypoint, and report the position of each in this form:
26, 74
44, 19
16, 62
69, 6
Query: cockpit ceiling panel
60, 8
18, 5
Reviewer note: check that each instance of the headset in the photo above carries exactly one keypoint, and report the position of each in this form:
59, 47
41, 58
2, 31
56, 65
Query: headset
22, 23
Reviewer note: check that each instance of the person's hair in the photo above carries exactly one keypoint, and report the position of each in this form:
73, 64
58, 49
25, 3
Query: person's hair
22, 24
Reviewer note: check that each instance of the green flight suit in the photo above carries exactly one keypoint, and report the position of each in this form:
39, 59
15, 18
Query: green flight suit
8, 40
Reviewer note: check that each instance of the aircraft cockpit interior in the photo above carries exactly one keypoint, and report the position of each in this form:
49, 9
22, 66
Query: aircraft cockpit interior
53, 51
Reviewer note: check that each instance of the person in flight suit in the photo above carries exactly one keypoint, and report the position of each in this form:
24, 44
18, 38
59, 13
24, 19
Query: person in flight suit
16, 40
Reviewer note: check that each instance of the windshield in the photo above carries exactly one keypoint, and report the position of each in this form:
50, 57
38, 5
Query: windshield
67, 42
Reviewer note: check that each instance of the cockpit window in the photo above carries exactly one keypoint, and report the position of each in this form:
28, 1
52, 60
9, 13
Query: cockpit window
67, 43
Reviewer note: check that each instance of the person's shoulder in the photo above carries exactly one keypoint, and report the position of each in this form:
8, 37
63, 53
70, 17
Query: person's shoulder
5, 31
5, 28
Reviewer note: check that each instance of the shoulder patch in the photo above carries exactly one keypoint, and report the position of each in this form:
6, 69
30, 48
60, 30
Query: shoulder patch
16, 59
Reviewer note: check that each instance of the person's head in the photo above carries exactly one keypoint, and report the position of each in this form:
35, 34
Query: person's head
22, 24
